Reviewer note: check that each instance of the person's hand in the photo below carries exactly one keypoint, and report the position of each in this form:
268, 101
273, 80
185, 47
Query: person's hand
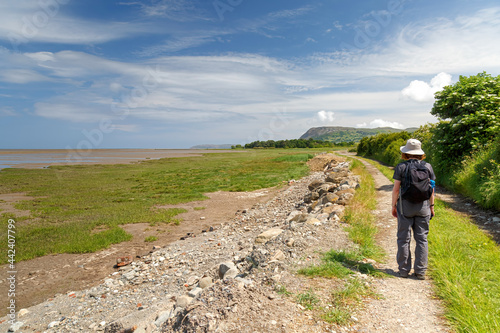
432, 212
394, 211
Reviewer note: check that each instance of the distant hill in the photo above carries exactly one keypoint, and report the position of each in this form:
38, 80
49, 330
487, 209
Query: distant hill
208, 146
347, 134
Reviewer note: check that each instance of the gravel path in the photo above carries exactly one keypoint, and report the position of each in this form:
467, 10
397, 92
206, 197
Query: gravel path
406, 305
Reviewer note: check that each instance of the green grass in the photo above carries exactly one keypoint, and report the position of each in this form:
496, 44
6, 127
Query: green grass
465, 267
346, 299
340, 264
280, 289
464, 264
479, 177
71, 202
294, 158
308, 299
150, 239
358, 215
329, 269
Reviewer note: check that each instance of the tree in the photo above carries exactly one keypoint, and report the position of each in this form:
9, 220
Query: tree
469, 114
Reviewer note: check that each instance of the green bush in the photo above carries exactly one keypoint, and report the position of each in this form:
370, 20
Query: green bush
469, 120
479, 176
384, 147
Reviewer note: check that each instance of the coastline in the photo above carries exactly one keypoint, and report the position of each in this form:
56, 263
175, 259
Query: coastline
42, 158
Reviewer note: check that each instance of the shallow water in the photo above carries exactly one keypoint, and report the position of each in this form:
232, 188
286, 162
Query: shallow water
44, 158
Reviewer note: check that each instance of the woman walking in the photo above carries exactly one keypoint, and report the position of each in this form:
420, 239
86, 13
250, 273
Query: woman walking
413, 205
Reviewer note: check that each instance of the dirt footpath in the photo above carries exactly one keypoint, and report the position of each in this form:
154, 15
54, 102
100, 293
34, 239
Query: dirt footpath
405, 305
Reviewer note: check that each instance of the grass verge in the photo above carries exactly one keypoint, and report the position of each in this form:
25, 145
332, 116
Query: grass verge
464, 264
79, 208
465, 267
358, 214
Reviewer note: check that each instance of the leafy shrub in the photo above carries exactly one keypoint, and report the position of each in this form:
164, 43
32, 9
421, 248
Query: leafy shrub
469, 119
479, 176
384, 147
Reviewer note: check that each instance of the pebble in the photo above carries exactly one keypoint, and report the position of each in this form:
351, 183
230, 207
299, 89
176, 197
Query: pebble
263, 236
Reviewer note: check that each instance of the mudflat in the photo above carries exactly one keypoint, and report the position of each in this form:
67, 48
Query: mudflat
40, 158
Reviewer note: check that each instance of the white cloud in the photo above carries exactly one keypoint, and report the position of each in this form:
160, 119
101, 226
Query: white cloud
21, 76
25, 21
381, 123
326, 116
421, 91
244, 86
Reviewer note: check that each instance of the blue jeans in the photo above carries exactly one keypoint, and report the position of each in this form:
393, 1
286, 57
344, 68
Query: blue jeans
420, 227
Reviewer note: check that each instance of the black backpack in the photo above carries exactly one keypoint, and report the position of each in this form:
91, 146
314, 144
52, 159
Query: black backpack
416, 183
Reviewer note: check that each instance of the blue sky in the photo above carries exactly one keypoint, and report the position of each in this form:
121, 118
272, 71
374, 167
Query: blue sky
94, 74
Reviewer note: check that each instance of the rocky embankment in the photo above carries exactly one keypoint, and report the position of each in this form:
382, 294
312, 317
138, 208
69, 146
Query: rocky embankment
225, 279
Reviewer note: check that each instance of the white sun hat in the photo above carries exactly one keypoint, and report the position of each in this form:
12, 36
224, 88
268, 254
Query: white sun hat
412, 147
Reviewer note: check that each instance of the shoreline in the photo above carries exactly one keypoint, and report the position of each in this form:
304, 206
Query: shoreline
42, 158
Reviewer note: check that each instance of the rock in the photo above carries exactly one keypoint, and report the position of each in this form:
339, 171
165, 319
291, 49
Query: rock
278, 255
225, 267
14, 327
314, 184
323, 217
22, 312
315, 196
130, 275
314, 205
495, 219
324, 188
192, 280
346, 191
292, 215
267, 235
163, 317
300, 218
289, 242
205, 282
336, 177
312, 196
183, 301
336, 209
195, 292
313, 221
53, 324
330, 198
245, 282
232, 273
114, 328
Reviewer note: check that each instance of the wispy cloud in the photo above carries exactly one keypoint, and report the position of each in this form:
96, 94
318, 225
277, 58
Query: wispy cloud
22, 76
175, 10
28, 21
243, 88
7, 111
